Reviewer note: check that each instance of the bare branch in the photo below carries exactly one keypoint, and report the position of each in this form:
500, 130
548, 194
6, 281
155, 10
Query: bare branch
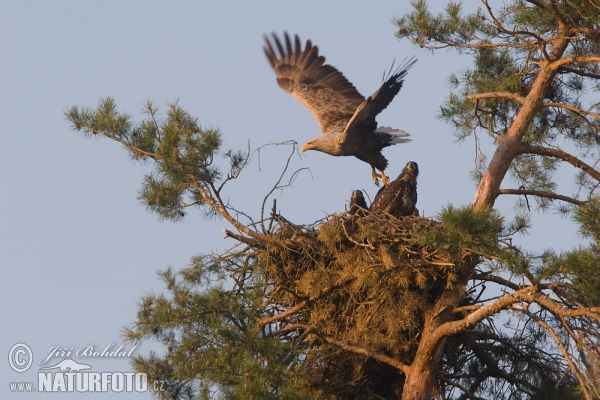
573, 109
497, 95
243, 239
472, 307
588, 31
539, 193
496, 279
548, 151
558, 14
239, 170
558, 309
540, 40
570, 60
527, 294
492, 364
461, 387
368, 245
405, 369
277, 186
134, 149
578, 374
507, 149
579, 72
283, 314
453, 327
219, 207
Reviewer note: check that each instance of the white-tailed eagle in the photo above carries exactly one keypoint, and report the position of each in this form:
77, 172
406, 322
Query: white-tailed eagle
346, 118
400, 197
358, 203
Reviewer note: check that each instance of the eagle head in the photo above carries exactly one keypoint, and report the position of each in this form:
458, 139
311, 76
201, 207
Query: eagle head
413, 167
312, 144
325, 144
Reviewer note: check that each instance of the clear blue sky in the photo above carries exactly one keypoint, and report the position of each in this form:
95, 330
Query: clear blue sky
78, 250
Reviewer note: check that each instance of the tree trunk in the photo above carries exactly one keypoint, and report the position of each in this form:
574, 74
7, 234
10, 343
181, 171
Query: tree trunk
421, 378
508, 145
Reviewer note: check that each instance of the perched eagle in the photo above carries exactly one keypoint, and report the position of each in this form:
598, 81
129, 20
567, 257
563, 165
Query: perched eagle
400, 197
357, 202
346, 118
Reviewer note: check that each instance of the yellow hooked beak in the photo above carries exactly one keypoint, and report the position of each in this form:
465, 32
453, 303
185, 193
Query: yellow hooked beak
306, 146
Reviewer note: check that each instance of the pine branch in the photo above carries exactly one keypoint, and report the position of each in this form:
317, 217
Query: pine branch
539, 193
453, 327
510, 346
239, 170
570, 60
548, 151
472, 307
277, 184
566, 355
580, 72
496, 279
283, 314
576, 110
243, 239
216, 203
479, 44
588, 31
466, 391
356, 349
496, 95
475, 384
559, 15
559, 309
493, 368
528, 294
540, 40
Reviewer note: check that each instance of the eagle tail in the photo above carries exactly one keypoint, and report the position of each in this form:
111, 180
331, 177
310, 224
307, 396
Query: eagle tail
396, 135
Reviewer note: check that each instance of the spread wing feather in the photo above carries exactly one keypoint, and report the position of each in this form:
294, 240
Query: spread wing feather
321, 88
376, 103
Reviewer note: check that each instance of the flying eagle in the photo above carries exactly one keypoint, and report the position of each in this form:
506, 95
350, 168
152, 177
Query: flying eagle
346, 118
400, 197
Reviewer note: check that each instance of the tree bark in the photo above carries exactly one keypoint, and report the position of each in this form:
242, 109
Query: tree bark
509, 145
423, 372
420, 380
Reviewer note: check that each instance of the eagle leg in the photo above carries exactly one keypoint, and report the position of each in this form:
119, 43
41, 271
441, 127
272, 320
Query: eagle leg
385, 180
376, 176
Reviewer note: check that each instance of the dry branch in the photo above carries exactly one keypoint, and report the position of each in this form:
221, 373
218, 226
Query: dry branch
539, 193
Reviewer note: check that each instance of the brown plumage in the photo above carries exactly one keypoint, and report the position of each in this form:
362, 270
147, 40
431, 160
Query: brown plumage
400, 197
346, 118
357, 202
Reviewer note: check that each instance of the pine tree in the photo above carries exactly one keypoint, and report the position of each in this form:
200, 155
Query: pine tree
534, 64
365, 305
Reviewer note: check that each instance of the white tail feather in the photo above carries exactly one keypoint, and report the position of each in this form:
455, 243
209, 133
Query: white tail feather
397, 135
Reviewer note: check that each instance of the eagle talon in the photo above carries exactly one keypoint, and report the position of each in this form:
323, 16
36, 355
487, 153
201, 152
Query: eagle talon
376, 177
385, 180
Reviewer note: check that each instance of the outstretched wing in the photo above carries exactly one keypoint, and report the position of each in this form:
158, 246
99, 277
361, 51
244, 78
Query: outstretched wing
373, 105
324, 90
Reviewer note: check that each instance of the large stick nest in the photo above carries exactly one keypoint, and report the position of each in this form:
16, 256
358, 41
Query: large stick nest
368, 279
